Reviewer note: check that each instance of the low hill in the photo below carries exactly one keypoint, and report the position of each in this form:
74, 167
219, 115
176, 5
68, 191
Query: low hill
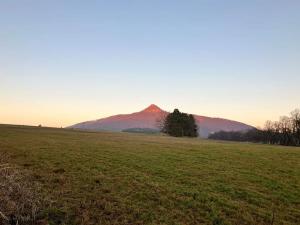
141, 130
148, 117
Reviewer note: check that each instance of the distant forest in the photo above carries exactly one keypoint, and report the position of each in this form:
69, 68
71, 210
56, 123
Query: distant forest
286, 131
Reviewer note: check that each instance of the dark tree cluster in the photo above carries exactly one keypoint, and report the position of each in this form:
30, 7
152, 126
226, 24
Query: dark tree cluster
252, 135
180, 124
286, 131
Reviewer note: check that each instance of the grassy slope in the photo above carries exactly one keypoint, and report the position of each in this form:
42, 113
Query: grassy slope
119, 178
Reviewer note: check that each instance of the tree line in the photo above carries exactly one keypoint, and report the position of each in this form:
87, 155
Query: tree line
286, 131
178, 124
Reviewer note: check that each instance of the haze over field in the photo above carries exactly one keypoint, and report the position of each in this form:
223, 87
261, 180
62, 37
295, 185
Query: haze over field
62, 62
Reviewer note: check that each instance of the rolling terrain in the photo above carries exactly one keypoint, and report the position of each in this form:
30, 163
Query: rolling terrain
122, 178
148, 117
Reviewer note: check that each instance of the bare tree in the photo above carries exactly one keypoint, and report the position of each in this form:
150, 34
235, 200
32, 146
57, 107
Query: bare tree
286, 131
295, 117
269, 130
160, 121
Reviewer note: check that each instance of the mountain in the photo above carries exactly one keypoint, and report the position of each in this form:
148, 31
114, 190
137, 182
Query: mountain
144, 119
147, 119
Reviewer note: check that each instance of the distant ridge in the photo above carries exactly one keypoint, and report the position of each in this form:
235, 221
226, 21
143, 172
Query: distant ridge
147, 119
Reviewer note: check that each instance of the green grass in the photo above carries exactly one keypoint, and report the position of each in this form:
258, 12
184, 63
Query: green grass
121, 178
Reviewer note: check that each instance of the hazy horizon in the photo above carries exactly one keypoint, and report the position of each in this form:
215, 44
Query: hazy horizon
66, 62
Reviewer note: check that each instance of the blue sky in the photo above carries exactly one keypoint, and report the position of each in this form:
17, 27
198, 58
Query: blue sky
63, 62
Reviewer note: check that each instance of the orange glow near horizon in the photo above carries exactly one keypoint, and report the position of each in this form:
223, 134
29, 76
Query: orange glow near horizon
66, 116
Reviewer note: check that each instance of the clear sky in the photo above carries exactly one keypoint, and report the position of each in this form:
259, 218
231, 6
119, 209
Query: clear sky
63, 62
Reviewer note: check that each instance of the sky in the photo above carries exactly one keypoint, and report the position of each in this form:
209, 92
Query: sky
64, 62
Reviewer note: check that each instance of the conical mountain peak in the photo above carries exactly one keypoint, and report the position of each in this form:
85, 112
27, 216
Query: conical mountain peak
149, 117
152, 108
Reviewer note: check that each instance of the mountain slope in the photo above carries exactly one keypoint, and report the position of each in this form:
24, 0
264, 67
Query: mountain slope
148, 118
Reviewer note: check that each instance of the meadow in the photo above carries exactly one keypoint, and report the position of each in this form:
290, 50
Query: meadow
124, 178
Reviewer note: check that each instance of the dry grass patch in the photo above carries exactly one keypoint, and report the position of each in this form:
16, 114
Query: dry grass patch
19, 202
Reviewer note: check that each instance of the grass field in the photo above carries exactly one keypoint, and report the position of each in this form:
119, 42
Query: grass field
121, 178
